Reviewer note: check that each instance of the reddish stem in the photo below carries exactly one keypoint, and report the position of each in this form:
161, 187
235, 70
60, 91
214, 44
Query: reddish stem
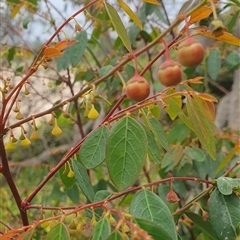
166, 50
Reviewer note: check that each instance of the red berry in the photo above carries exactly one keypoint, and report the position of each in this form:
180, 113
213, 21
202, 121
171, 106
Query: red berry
169, 73
190, 52
137, 88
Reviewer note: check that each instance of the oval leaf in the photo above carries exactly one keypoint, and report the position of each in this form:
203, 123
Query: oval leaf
224, 186
91, 153
214, 64
126, 151
149, 206
83, 180
195, 154
130, 13
224, 214
118, 25
102, 230
58, 232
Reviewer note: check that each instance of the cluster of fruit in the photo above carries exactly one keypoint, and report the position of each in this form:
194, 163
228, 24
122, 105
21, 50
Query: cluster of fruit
190, 54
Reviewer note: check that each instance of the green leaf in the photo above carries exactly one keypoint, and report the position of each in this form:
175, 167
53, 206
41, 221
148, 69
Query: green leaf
225, 161
126, 152
102, 230
115, 236
224, 214
11, 54
104, 70
214, 64
101, 195
130, 13
92, 153
153, 148
195, 154
73, 54
167, 160
58, 232
202, 127
233, 60
68, 182
208, 167
226, 185
83, 180
180, 113
170, 109
73, 194
153, 229
156, 111
118, 25
178, 133
151, 207
232, 23
204, 225
157, 129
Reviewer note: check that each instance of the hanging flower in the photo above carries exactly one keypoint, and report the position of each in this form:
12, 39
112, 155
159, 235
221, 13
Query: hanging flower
93, 113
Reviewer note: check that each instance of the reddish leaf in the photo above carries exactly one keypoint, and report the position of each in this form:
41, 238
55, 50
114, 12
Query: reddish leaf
52, 52
62, 45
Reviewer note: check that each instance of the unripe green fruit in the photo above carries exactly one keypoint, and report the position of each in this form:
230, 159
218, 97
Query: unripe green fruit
137, 88
169, 73
190, 52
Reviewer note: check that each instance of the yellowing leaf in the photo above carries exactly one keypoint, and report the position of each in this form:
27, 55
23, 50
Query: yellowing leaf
226, 37
130, 13
207, 97
196, 80
207, 107
52, 52
200, 14
152, 2
15, 10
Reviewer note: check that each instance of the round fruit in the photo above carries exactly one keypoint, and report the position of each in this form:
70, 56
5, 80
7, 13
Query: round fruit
190, 52
137, 88
169, 73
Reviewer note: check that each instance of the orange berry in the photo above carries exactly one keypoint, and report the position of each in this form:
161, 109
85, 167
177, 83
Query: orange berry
169, 73
190, 52
137, 88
